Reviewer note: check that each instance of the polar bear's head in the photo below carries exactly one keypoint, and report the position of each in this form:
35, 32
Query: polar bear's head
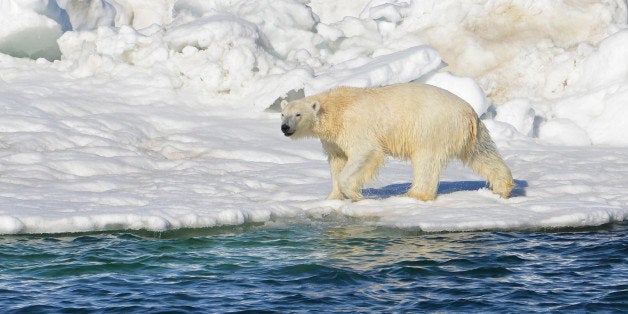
298, 118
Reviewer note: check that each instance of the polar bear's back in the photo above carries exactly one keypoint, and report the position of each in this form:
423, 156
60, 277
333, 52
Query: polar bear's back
407, 99
405, 118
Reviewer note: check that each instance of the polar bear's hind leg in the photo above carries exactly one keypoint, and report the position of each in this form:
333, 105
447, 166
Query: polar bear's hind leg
426, 169
484, 159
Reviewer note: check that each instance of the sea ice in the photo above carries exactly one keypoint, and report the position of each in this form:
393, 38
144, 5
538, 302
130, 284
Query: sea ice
153, 113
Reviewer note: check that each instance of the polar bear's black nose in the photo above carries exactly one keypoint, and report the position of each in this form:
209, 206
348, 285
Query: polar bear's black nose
286, 130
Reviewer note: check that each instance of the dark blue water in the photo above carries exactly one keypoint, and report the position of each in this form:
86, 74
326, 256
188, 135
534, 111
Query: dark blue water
316, 266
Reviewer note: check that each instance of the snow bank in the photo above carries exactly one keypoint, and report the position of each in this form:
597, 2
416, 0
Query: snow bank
236, 51
510, 47
593, 110
152, 115
570, 70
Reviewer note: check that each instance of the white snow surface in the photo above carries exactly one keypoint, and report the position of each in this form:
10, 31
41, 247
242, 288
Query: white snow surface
152, 114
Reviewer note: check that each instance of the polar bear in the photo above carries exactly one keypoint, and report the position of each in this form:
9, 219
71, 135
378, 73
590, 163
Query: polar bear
430, 126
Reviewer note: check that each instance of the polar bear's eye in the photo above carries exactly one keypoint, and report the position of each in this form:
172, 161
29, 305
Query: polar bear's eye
298, 114
282, 115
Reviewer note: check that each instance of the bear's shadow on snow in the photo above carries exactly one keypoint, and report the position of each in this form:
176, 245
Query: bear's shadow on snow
445, 187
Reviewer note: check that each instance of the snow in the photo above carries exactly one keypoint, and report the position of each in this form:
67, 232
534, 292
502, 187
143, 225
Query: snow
158, 115
464, 87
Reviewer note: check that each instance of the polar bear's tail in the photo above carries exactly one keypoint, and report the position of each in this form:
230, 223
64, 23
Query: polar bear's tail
483, 158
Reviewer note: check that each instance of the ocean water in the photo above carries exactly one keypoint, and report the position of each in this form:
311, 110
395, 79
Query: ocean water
322, 266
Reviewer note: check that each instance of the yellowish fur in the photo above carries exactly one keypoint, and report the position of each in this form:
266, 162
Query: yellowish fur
358, 127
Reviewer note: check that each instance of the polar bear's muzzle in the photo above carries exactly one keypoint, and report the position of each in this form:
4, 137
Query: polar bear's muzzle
286, 130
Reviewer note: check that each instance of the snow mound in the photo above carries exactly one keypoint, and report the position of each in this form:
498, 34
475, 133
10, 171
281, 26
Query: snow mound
593, 109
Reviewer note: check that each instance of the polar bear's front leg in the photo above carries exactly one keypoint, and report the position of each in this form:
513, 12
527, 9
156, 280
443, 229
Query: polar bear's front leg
348, 181
336, 164
361, 166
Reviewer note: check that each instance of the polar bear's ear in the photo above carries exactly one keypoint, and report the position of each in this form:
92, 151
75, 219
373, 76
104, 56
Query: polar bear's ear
284, 103
316, 106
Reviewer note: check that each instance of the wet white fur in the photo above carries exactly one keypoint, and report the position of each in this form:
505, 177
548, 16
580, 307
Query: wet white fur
430, 126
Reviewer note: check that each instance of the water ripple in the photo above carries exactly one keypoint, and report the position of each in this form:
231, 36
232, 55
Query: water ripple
316, 267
